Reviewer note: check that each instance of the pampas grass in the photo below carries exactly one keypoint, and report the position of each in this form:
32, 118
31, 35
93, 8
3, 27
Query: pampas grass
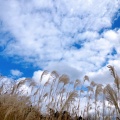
59, 99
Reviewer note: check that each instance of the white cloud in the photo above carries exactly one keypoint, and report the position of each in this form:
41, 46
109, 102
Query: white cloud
8, 84
45, 32
37, 77
103, 75
63, 68
16, 73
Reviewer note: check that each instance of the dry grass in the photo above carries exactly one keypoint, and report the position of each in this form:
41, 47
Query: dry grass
54, 101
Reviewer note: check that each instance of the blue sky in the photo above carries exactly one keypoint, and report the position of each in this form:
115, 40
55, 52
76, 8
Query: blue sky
71, 37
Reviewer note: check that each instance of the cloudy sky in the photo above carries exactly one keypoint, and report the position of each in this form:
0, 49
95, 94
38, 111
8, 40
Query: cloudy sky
75, 37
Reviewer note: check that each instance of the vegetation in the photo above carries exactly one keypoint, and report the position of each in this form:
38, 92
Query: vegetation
59, 99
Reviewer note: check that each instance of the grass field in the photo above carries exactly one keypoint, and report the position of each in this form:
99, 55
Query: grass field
60, 99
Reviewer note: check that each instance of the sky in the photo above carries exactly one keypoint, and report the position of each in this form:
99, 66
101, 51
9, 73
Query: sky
73, 37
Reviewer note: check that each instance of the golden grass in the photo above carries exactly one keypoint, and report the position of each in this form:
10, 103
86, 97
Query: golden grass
54, 101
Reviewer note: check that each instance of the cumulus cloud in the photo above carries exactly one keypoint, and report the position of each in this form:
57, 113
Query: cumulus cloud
16, 73
62, 35
103, 75
37, 77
